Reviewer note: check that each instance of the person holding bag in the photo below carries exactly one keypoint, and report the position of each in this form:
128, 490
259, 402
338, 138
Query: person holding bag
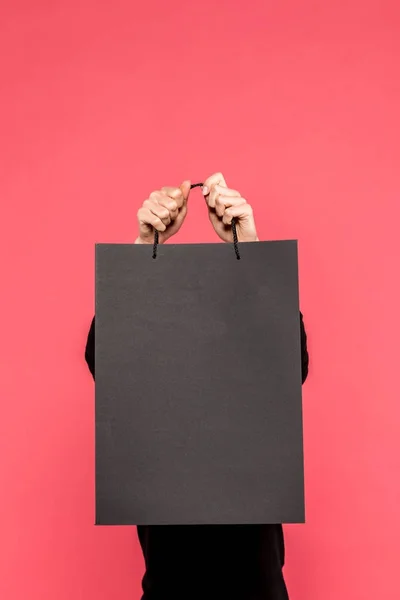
243, 562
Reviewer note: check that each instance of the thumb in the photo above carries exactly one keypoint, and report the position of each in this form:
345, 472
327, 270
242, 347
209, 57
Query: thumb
185, 187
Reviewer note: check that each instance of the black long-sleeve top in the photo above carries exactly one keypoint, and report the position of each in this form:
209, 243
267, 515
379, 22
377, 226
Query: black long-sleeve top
89, 352
240, 562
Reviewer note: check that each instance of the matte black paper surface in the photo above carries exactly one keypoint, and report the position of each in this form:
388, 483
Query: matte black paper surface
198, 385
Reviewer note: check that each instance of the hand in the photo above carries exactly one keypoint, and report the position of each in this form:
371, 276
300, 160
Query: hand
164, 210
225, 204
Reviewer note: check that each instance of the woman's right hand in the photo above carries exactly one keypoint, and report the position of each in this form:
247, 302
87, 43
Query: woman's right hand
164, 210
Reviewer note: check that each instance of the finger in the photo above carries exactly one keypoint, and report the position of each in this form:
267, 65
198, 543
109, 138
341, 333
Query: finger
226, 191
158, 209
240, 212
168, 203
215, 179
223, 202
166, 210
185, 187
175, 193
216, 191
148, 219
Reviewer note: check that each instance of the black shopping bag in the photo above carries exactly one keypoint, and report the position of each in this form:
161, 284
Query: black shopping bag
198, 385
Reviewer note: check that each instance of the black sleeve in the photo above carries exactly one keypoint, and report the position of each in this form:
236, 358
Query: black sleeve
89, 351
304, 350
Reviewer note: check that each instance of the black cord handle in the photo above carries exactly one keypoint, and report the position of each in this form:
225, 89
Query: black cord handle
234, 233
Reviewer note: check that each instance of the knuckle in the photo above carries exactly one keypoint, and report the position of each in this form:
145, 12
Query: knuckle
172, 205
159, 224
171, 193
142, 214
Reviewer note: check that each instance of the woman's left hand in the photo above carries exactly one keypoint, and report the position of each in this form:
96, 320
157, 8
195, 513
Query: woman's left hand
225, 204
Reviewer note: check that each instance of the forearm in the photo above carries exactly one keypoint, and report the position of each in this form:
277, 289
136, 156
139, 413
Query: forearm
89, 350
304, 350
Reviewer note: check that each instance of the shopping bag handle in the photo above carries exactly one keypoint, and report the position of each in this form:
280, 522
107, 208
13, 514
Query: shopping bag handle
234, 233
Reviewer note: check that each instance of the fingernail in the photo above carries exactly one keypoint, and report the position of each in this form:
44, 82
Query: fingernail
205, 190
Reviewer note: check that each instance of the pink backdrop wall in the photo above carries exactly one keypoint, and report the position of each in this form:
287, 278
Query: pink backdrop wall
297, 103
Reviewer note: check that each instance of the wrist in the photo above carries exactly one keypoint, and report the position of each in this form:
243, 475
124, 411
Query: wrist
140, 240
252, 239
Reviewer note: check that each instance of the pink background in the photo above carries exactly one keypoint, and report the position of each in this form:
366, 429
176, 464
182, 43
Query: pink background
297, 103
